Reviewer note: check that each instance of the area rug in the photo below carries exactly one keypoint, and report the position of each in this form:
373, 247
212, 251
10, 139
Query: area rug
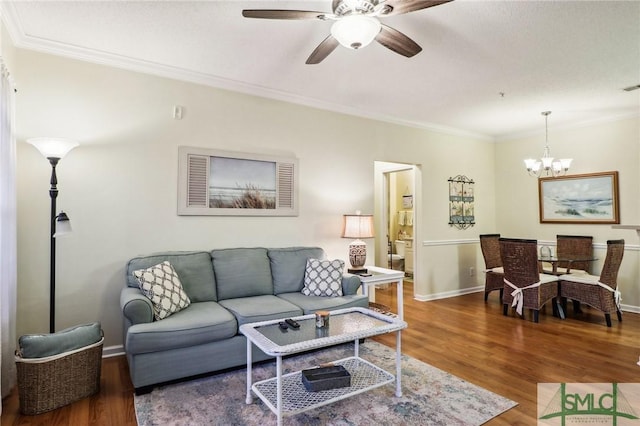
429, 397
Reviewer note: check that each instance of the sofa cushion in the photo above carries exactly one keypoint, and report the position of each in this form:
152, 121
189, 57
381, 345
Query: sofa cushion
310, 304
201, 322
323, 278
193, 268
242, 272
288, 265
161, 284
69, 339
260, 308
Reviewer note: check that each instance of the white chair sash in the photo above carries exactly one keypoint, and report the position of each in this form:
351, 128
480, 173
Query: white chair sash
518, 298
616, 293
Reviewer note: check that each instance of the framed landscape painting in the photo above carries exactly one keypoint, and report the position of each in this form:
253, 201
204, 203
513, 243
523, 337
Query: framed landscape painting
585, 198
223, 183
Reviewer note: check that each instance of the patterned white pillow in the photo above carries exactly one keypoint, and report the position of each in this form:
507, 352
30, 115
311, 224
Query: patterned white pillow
323, 278
160, 283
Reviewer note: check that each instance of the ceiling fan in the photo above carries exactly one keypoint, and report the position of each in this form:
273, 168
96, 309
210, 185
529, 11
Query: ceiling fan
356, 24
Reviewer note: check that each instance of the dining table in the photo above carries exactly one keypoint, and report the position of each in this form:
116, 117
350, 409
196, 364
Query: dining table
569, 260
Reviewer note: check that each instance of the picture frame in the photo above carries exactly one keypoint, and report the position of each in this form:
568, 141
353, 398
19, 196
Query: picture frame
407, 201
225, 183
590, 198
461, 202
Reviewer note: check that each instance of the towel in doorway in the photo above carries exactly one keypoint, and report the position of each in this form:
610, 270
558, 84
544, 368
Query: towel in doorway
408, 218
401, 218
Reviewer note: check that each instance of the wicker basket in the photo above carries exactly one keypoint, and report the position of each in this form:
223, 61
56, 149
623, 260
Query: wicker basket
45, 384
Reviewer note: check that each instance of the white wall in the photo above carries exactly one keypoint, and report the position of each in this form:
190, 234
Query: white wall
447, 253
119, 186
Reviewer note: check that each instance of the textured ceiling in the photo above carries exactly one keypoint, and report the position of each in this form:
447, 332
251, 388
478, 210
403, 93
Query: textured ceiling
487, 68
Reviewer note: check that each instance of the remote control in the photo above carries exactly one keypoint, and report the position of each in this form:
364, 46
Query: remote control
292, 323
283, 326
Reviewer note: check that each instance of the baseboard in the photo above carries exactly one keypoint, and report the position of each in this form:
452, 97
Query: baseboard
111, 351
630, 308
447, 294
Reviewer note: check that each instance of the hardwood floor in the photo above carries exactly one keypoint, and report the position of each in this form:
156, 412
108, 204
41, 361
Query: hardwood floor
461, 335
510, 356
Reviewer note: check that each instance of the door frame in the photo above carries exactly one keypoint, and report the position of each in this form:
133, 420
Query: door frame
381, 213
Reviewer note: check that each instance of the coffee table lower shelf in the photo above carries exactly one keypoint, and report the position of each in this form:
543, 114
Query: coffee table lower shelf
296, 399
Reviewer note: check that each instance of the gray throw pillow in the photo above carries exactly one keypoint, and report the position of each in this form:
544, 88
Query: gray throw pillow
323, 278
160, 283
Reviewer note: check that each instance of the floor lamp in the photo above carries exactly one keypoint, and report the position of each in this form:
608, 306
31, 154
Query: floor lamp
54, 149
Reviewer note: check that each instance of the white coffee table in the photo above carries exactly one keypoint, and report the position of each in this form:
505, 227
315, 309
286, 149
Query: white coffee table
285, 394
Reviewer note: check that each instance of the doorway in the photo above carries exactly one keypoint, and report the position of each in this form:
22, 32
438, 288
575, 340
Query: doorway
396, 225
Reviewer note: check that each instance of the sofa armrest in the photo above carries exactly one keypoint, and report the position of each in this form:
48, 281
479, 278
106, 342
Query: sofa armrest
350, 284
136, 307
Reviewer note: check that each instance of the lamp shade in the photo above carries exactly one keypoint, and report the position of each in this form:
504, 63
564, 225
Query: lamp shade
355, 31
63, 225
357, 226
53, 147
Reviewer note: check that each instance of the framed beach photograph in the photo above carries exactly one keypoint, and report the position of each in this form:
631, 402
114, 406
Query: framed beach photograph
224, 183
586, 198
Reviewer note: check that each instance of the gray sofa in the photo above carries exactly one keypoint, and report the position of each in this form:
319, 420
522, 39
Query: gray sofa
227, 288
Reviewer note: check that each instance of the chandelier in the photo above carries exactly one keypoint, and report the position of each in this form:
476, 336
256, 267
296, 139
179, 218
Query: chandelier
546, 166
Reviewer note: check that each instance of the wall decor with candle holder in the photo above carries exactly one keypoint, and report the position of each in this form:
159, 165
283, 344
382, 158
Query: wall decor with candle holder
461, 199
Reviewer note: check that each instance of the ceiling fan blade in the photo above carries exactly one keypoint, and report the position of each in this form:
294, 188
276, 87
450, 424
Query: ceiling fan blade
282, 14
398, 42
398, 7
323, 50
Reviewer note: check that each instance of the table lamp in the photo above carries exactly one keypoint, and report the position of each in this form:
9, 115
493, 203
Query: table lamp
357, 226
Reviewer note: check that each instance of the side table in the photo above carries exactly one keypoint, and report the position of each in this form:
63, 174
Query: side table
384, 276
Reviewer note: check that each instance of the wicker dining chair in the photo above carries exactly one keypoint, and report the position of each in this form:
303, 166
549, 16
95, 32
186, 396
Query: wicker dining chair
494, 272
600, 292
524, 286
576, 246
571, 246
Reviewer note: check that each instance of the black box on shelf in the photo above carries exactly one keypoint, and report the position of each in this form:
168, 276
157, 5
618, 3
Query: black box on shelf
325, 378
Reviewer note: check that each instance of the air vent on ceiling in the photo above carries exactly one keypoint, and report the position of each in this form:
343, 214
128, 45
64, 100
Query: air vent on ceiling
630, 88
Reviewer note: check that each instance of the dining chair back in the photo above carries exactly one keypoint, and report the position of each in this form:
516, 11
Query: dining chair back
574, 246
600, 292
524, 286
494, 272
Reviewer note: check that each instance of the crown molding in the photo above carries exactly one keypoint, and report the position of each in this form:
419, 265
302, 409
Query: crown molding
23, 41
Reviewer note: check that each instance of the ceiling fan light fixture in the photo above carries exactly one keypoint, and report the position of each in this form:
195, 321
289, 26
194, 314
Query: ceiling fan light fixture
355, 31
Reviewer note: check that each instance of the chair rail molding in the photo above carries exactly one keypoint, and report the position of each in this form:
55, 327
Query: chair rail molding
596, 246
432, 243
